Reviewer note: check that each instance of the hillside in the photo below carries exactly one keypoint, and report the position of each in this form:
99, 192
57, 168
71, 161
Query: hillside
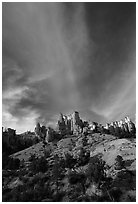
74, 155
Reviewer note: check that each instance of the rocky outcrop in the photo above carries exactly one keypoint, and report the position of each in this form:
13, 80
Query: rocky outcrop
49, 135
41, 132
38, 129
62, 124
71, 124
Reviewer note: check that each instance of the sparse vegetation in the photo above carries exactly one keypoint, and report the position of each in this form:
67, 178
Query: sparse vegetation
70, 174
10, 163
38, 165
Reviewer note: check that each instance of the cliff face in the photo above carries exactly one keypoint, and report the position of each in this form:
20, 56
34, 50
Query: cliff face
70, 124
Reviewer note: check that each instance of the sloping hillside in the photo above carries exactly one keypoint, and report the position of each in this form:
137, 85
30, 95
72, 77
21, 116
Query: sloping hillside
75, 153
37, 150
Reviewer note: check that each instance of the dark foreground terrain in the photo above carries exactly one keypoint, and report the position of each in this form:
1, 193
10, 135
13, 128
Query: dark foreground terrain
96, 167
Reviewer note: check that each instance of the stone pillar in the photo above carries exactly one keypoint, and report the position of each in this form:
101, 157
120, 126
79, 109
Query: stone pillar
38, 129
49, 135
76, 122
61, 125
43, 132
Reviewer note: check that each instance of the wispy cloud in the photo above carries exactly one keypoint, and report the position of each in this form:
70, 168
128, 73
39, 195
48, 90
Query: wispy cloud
59, 57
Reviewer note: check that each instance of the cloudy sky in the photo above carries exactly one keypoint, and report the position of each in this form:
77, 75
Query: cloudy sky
60, 57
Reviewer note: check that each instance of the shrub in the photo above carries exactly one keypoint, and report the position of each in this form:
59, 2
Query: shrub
46, 153
95, 171
57, 172
119, 162
83, 157
96, 174
77, 178
32, 158
115, 193
73, 192
10, 163
39, 165
69, 161
73, 178
58, 197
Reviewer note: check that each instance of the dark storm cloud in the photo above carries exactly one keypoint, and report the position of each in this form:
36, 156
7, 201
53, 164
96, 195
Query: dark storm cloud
37, 97
60, 57
12, 74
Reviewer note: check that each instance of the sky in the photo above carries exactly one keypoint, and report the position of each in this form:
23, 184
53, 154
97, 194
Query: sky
65, 57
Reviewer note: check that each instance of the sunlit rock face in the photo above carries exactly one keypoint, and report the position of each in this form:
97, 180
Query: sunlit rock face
37, 129
40, 132
61, 124
76, 118
71, 124
49, 135
43, 132
68, 124
76, 122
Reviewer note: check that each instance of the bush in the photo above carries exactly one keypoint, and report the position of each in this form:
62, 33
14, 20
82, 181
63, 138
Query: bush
10, 163
32, 158
95, 171
57, 171
96, 174
115, 193
58, 197
46, 153
39, 165
69, 161
75, 178
34, 190
74, 192
83, 157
